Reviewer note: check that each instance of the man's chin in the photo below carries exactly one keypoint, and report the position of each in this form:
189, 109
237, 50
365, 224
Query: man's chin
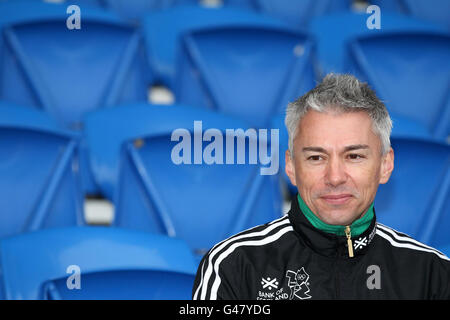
337, 217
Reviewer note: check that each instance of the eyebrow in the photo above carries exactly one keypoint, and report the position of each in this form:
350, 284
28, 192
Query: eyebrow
356, 147
346, 149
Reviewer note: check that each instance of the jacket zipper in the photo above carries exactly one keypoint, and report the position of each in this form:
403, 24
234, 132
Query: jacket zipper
348, 233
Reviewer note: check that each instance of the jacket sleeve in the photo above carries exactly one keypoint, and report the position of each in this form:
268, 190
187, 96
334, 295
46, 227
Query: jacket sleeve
215, 279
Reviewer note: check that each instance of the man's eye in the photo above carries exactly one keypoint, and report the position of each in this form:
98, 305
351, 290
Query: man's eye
314, 158
354, 156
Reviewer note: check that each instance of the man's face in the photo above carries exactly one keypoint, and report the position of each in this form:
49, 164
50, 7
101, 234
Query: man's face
337, 164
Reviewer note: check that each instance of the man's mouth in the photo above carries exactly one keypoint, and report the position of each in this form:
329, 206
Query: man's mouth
337, 199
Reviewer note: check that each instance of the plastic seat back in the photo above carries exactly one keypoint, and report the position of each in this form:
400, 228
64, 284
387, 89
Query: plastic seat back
136, 10
296, 13
437, 11
416, 193
385, 62
68, 72
95, 263
39, 185
163, 31
332, 48
437, 228
247, 72
199, 202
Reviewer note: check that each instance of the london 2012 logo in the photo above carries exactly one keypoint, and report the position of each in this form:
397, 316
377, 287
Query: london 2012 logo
298, 283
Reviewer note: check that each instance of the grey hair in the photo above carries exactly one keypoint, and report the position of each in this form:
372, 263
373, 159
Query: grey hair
341, 93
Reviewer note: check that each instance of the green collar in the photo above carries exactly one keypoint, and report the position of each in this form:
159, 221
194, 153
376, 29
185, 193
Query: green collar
357, 227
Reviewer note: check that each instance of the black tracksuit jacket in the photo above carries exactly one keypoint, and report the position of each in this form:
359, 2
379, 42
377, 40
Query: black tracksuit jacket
291, 259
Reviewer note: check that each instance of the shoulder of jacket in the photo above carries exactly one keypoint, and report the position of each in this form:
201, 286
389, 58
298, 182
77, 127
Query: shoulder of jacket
256, 236
402, 241
215, 265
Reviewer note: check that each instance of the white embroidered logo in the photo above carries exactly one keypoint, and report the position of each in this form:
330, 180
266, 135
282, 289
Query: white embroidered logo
269, 283
298, 283
360, 242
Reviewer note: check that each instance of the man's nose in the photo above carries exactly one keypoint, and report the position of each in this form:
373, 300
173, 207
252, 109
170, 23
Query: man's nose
335, 174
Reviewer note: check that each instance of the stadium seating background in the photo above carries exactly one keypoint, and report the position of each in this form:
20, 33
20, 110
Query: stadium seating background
86, 117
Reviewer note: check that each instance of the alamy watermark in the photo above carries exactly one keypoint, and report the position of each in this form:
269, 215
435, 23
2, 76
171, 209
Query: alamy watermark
221, 150
74, 280
74, 20
374, 280
374, 20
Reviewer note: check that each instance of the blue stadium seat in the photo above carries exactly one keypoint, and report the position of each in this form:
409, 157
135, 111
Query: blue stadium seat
199, 203
385, 61
66, 72
437, 226
413, 200
39, 184
437, 11
135, 10
249, 72
163, 30
111, 264
375, 54
333, 32
107, 129
406, 127
69, 72
297, 13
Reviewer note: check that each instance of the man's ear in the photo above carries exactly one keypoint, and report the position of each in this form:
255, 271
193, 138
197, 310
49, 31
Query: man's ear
387, 166
290, 168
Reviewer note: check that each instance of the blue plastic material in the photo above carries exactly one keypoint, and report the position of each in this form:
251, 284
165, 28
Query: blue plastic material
247, 72
413, 201
107, 129
163, 30
437, 231
437, 11
396, 64
199, 203
111, 263
405, 127
333, 32
135, 10
39, 185
297, 13
69, 72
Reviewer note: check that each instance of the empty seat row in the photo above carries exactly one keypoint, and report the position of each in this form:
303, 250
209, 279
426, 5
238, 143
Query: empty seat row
229, 69
65, 72
84, 263
221, 59
297, 13
134, 161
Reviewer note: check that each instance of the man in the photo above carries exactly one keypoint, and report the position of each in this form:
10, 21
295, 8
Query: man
330, 245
